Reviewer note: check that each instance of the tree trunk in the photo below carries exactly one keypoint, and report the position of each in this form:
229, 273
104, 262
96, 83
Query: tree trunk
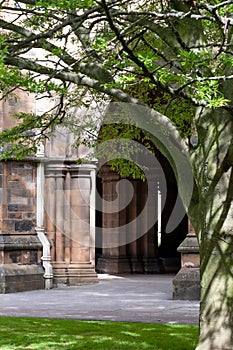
212, 217
216, 312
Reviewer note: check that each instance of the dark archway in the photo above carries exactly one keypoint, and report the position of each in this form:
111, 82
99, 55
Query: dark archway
148, 253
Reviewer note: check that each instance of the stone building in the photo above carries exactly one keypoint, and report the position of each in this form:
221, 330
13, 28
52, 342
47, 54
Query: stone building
53, 232
47, 235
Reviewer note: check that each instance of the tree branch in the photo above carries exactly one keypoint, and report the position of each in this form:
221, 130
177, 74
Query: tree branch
76, 78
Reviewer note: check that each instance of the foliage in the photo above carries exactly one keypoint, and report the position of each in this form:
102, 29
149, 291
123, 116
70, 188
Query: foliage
123, 50
51, 334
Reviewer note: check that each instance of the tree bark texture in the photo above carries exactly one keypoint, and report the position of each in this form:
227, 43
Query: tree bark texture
212, 216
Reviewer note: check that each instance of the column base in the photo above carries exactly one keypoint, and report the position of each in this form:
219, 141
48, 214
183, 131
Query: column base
186, 284
73, 274
20, 278
136, 265
113, 265
121, 265
150, 265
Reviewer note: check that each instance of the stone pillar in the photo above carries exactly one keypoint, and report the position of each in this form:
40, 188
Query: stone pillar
71, 222
67, 217
186, 284
114, 259
20, 248
148, 243
50, 210
136, 264
54, 213
139, 254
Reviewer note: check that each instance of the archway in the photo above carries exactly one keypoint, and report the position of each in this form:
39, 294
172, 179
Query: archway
149, 250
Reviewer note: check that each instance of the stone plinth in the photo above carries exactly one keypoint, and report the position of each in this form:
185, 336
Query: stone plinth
73, 274
189, 250
20, 269
20, 278
113, 265
186, 284
145, 265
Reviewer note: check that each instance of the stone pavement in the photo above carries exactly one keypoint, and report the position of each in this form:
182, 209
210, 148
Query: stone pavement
137, 298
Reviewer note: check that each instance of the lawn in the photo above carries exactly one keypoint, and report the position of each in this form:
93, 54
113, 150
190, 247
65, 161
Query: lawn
53, 334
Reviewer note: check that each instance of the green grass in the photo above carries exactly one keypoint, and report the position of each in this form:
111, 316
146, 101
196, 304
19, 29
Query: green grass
42, 334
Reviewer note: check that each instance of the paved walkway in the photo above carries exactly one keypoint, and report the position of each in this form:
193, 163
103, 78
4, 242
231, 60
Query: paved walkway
137, 298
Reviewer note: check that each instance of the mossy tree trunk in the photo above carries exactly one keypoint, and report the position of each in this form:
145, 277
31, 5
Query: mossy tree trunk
211, 212
211, 208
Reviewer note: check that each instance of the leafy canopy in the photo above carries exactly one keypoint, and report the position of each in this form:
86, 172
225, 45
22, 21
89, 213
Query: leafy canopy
169, 55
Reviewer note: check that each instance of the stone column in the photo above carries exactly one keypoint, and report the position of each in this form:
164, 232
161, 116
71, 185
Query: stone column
133, 249
140, 254
186, 284
59, 223
93, 215
73, 240
114, 259
54, 210
50, 210
67, 218
148, 242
